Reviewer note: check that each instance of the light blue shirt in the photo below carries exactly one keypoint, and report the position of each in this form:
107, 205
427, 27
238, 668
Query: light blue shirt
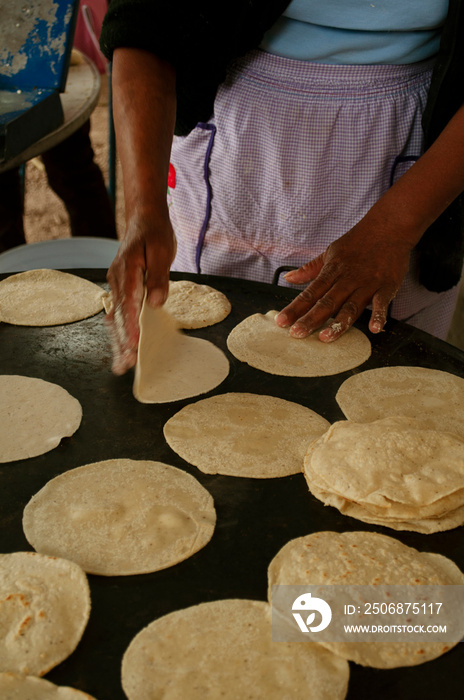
358, 31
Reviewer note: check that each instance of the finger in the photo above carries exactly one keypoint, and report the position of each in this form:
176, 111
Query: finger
309, 297
157, 284
112, 279
341, 302
305, 273
122, 321
159, 262
322, 310
380, 303
293, 311
131, 305
315, 305
352, 309
348, 314
119, 366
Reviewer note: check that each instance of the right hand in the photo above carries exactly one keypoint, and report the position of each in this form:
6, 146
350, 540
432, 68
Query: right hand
144, 109
142, 263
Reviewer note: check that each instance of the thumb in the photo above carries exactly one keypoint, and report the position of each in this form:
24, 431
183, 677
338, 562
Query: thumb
307, 272
157, 276
157, 290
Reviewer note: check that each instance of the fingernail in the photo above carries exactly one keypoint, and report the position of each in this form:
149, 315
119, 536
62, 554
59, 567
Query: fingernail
289, 274
327, 334
298, 331
282, 320
156, 298
376, 327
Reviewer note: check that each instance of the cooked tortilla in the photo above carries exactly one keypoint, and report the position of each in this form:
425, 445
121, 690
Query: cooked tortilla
44, 611
365, 559
14, 686
433, 397
225, 650
259, 342
241, 434
121, 517
195, 305
48, 298
34, 416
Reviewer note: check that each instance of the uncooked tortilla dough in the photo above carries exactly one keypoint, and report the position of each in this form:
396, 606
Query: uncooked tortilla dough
173, 366
14, 686
259, 342
433, 397
364, 559
392, 472
244, 435
195, 305
44, 611
34, 416
225, 650
48, 298
121, 517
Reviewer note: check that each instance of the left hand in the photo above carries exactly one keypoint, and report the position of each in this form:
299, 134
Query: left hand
368, 264
365, 266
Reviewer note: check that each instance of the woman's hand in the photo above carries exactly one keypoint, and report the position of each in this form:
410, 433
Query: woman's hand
142, 263
144, 115
365, 266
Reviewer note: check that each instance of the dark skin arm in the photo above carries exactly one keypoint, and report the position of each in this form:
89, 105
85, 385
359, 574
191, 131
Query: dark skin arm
368, 264
365, 266
144, 116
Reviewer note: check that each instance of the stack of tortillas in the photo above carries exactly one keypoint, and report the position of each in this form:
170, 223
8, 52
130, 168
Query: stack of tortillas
45, 606
225, 650
258, 341
364, 559
240, 434
391, 472
48, 298
121, 517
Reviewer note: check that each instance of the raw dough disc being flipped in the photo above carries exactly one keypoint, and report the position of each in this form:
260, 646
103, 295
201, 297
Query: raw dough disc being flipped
433, 397
263, 345
247, 435
15, 686
335, 559
34, 416
195, 305
48, 298
173, 366
121, 517
224, 649
45, 607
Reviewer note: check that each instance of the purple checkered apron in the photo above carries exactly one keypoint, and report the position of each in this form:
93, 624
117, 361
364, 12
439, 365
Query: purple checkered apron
295, 155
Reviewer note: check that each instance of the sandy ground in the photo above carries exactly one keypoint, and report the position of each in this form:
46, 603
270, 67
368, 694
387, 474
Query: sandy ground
46, 217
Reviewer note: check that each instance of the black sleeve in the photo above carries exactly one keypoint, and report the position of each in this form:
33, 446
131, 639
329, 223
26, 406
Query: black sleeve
441, 248
198, 39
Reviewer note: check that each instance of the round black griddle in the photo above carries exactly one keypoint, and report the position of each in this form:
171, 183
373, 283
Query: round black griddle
255, 517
